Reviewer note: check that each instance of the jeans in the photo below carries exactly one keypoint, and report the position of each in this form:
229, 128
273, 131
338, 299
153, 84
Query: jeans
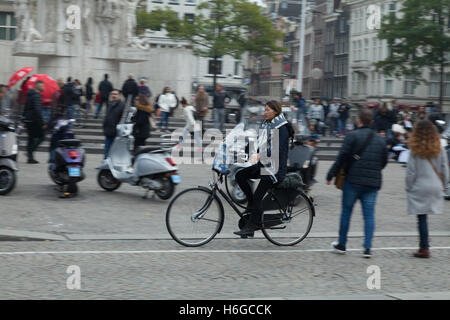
219, 118
46, 114
196, 137
367, 196
333, 126
342, 126
108, 143
98, 110
164, 120
423, 231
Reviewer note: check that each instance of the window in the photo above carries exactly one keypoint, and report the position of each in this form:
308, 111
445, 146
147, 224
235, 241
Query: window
7, 26
435, 85
410, 85
189, 17
215, 67
388, 86
366, 49
392, 7
237, 68
175, 2
342, 25
189, 2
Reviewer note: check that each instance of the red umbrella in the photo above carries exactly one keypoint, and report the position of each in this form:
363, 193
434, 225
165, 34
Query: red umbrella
18, 75
50, 87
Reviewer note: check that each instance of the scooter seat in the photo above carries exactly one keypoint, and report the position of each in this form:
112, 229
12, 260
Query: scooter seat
141, 150
69, 143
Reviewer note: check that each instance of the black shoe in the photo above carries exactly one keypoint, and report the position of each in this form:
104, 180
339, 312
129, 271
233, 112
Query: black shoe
32, 161
338, 248
367, 254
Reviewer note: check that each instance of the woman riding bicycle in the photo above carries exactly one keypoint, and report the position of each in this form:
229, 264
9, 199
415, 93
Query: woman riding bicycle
270, 166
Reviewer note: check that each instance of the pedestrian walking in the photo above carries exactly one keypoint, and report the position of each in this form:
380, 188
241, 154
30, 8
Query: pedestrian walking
220, 99
144, 89
32, 117
166, 102
426, 178
113, 116
89, 95
190, 127
333, 116
142, 127
105, 87
362, 157
202, 103
130, 89
5, 102
343, 117
69, 97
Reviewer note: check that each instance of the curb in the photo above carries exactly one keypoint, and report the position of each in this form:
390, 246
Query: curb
18, 235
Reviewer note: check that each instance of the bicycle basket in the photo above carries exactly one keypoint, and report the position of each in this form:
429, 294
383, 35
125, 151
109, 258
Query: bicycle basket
220, 163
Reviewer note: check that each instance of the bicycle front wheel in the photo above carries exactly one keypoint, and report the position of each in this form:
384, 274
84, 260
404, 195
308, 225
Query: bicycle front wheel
194, 217
291, 226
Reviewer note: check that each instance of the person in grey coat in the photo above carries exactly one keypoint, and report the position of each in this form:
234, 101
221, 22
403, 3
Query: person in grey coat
426, 176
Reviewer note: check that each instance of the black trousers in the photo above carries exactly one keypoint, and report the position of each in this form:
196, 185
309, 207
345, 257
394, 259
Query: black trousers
139, 142
35, 137
254, 200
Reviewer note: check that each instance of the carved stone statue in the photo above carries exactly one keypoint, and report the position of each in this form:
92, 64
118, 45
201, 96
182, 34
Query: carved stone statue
32, 33
86, 13
131, 18
22, 11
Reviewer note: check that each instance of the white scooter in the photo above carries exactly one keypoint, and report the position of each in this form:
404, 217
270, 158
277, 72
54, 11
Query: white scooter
151, 168
8, 155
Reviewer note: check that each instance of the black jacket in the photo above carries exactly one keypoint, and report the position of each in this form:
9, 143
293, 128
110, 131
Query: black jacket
343, 111
130, 87
219, 99
32, 108
105, 87
89, 92
70, 96
141, 128
384, 121
367, 170
112, 119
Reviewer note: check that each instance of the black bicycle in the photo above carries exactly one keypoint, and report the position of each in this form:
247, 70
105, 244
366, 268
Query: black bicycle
196, 215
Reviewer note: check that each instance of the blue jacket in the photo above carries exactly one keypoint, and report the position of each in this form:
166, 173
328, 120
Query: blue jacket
367, 170
301, 106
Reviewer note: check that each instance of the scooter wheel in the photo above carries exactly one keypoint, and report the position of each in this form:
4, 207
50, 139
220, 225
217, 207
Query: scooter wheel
107, 181
167, 191
7, 180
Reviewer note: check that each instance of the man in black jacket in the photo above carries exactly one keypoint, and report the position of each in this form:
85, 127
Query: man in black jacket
113, 116
33, 120
220, 99
130, 88
363, 178
105, 87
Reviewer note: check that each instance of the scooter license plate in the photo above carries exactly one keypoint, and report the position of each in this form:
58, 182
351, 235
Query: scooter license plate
74, 172
176, 178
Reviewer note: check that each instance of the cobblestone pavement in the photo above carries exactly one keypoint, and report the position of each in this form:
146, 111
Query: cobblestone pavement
254, 269
34, 205
223, 269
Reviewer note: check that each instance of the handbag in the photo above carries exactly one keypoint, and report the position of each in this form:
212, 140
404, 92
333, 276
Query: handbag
342, 172
440, 175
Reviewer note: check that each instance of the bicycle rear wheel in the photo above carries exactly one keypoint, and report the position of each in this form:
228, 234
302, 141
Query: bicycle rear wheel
292, 226
194, 217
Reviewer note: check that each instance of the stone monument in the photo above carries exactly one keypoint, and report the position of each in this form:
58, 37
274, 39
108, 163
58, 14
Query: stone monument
79, 38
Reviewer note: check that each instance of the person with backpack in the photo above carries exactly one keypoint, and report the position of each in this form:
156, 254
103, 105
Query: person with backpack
191, 116
89, 94
270, 166
362, 157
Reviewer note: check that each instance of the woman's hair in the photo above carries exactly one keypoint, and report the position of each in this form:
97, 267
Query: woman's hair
425, 140
183, 100
275, 106
143, 100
